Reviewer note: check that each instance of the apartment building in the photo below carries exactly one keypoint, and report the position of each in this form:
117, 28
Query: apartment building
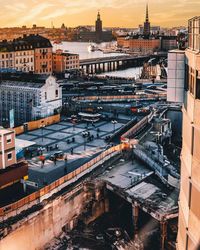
31, 53
31, 98
64, 61
7, 148
7, 55
189, 207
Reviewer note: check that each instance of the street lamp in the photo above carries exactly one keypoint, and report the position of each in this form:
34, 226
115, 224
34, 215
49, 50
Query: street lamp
85, 135
42, 127
114, 122
74, 120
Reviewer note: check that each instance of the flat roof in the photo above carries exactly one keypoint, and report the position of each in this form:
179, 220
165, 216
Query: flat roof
141, 185
19, 143
27, 84
4, 131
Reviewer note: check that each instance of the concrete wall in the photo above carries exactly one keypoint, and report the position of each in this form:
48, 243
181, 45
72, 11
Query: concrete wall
176, 120
39, 228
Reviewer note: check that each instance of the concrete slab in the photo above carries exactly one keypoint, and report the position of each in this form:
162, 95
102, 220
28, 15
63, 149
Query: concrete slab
74, 130
39, 132
27, 137
44, 142
110, 127
56, 127
58, 135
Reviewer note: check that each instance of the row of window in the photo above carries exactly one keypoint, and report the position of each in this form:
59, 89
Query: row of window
192, 81
44, 57
6, 64
24, 60
24, 53
3, 56
44, 70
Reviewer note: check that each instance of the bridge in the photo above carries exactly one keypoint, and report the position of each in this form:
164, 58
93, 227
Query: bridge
106, 64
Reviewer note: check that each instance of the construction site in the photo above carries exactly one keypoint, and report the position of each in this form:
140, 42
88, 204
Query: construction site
124, 197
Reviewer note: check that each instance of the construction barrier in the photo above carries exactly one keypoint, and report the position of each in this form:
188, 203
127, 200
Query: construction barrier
41, 193
32, 125
120, 97
137, 127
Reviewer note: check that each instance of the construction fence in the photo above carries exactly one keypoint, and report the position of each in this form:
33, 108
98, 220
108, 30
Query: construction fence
44, 193
32, 125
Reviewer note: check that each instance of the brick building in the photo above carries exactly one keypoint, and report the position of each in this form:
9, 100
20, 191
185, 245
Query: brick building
139, 44
64, 61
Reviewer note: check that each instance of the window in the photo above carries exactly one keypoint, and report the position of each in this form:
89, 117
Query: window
9, 156
45, 95
194, 204
198, 84
56, 93
8, 138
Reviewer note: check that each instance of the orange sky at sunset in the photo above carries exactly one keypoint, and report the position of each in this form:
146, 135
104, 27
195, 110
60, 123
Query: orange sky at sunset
128, 13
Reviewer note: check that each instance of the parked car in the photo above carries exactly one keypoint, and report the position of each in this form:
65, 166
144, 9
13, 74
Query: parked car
57, 155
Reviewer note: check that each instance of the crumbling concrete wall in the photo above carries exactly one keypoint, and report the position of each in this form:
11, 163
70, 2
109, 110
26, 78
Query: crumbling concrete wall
37, 229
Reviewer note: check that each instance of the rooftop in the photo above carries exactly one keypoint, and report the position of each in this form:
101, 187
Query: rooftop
15, 84
25, 43
4, 131
23, 79
139, 183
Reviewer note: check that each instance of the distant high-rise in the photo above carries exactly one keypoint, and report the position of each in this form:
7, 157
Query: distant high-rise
146, 31
98, 35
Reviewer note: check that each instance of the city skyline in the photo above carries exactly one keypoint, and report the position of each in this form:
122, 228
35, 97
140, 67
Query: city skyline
114, 12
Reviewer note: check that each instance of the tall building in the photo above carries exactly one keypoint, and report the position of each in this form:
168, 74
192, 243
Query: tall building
146, 31
98, 27
189, 206
98, 35
31, 98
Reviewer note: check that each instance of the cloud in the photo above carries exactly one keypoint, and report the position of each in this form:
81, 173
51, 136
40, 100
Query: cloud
35, 12
114, 12
57, 13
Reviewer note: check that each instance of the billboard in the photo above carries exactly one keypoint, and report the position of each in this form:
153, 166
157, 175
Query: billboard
11, 118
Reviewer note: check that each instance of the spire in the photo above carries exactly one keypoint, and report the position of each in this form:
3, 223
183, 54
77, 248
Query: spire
98, 16
147, 13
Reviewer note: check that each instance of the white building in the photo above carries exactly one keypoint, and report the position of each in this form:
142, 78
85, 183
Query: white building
24, 60
31, 99
176, 76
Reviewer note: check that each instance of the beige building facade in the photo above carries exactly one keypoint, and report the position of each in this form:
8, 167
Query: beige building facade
7, 148
189, 205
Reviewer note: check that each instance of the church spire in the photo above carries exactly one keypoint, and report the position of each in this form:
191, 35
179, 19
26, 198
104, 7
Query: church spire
147, 13
147, 27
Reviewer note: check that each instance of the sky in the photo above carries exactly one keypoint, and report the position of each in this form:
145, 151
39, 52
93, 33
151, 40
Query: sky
114, 13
